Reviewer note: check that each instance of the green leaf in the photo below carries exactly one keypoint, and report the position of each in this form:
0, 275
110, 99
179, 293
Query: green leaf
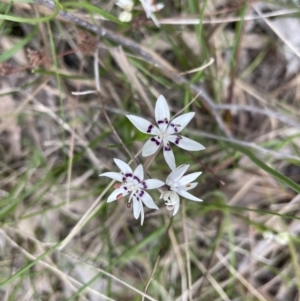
12, 51
30, 20
93, 9
267, 168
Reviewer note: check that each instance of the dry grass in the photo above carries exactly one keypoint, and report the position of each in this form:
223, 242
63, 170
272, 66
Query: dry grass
62, 123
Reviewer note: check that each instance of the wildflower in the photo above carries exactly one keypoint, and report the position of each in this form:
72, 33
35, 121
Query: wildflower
179, 184
133, 182
150, 7
167, 131
127, 6
282, 238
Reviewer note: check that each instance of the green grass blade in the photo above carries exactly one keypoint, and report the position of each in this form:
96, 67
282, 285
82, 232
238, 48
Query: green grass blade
27, 267
93, 9
267, 168
11, 52
29, 20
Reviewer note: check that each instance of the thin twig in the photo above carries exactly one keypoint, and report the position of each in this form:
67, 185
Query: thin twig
285, 119
250, 17
246, 144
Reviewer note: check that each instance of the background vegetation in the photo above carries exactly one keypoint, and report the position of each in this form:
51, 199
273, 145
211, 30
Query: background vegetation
60, 240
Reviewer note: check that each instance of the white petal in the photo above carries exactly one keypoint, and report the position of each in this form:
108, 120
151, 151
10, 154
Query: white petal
151, 146
180, 122
117, 194
146, 7
186, 143
143, 125
176, 204
188, 186
162, 113
169, 157
187, 195
136, 208
125, 16
176, 174
159, 6
153, 18
113, 175
148, 201
125, 4
189, 178
142, 213
124, 167
139, 173
152, 184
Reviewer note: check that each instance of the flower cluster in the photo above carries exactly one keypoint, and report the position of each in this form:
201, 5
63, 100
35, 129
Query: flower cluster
149, 7
133, 183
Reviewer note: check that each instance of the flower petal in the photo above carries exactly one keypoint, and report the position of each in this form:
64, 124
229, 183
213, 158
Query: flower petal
189, 178
151, 184
169, 157
180, 122
187, 195
159, 6
186, 143
124, 167
188, 186
136, 208
138, 173
142, 213
143, 125
151, 146
125, 16
148, 201
125, 4
176, 204
162, 113
117, 194
176, 174
113, 175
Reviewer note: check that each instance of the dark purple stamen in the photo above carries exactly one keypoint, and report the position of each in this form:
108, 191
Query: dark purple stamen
167, 148
178, 139
128, 175
144, 185
125, 187
150, 128
141, 193
136, 178
156, 141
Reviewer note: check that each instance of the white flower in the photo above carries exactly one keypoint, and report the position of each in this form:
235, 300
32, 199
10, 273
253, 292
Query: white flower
167, 131
282, 238
133, 182
150, 7
125, 16
179, 184
127, 6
